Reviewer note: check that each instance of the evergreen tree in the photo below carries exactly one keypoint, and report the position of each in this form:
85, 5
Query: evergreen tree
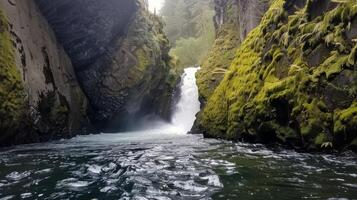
190, 29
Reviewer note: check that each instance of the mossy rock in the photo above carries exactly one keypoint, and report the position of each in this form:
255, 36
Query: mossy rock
12, 98
231, 28
284, 76
353, 145
218, 61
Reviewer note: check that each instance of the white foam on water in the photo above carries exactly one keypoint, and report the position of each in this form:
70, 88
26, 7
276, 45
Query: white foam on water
213, 180
16, 176
26, 195
95, 169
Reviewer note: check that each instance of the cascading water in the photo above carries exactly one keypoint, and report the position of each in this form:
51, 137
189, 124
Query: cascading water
184, 114
188, 105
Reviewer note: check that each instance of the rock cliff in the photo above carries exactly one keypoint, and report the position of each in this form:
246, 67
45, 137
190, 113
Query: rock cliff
234, 19
120, 55
293, 80
68, 65
40, 96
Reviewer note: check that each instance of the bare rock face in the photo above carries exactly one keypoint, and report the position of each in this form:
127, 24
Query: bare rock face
87, 29
244, 15
45, 101
120, 55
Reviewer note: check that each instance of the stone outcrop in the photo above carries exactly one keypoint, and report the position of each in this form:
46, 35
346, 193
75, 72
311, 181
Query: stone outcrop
40, 96
120, 55
234, 19
293, 79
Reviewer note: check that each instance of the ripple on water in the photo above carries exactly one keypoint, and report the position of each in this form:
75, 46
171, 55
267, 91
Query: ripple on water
44, 171
8, 197
72, 184
108, 189
26, 195
181, 168
16, 176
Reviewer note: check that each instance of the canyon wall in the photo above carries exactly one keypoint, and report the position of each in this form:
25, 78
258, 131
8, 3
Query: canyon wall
120, 55
40, 95
293, 80
234, 19
69, 67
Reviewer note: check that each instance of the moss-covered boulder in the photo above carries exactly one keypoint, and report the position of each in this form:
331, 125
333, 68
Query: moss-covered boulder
293, 79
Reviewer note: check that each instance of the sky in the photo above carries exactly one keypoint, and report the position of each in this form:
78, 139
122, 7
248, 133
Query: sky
155, 4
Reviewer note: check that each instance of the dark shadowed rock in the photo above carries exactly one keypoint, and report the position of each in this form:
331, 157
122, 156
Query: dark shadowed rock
120, 55
88, 28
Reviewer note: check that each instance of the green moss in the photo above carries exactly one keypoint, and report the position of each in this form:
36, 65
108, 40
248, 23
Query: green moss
354, 143
11, 86
321, 139
272, 90
147, 49
345, 121
143, 60
220, 57
352, 58
223, 52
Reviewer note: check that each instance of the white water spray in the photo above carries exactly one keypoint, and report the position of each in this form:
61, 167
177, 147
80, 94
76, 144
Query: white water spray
183, 117
188, 105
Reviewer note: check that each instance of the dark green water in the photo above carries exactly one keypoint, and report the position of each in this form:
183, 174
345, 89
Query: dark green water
160, 164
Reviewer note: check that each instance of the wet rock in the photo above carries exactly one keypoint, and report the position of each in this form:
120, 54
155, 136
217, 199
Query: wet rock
292, 81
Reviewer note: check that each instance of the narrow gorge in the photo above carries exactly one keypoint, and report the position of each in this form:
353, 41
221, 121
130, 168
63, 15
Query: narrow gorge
178, 99
71, 68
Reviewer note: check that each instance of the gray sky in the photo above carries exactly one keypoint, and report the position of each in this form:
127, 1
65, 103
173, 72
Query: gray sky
155, 4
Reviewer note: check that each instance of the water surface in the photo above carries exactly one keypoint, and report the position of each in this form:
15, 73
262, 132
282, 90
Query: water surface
154, 165
162, 162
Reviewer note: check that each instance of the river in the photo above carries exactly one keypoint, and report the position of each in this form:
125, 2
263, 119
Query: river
163, 162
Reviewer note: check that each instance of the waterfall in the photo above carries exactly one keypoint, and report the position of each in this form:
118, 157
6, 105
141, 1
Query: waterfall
184, 114
188, 104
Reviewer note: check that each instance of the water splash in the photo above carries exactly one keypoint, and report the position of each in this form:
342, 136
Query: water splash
188, 105
184, 115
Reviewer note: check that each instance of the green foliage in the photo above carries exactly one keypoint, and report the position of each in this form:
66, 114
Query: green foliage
189, 27
191, 51
345, 122
290, 81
